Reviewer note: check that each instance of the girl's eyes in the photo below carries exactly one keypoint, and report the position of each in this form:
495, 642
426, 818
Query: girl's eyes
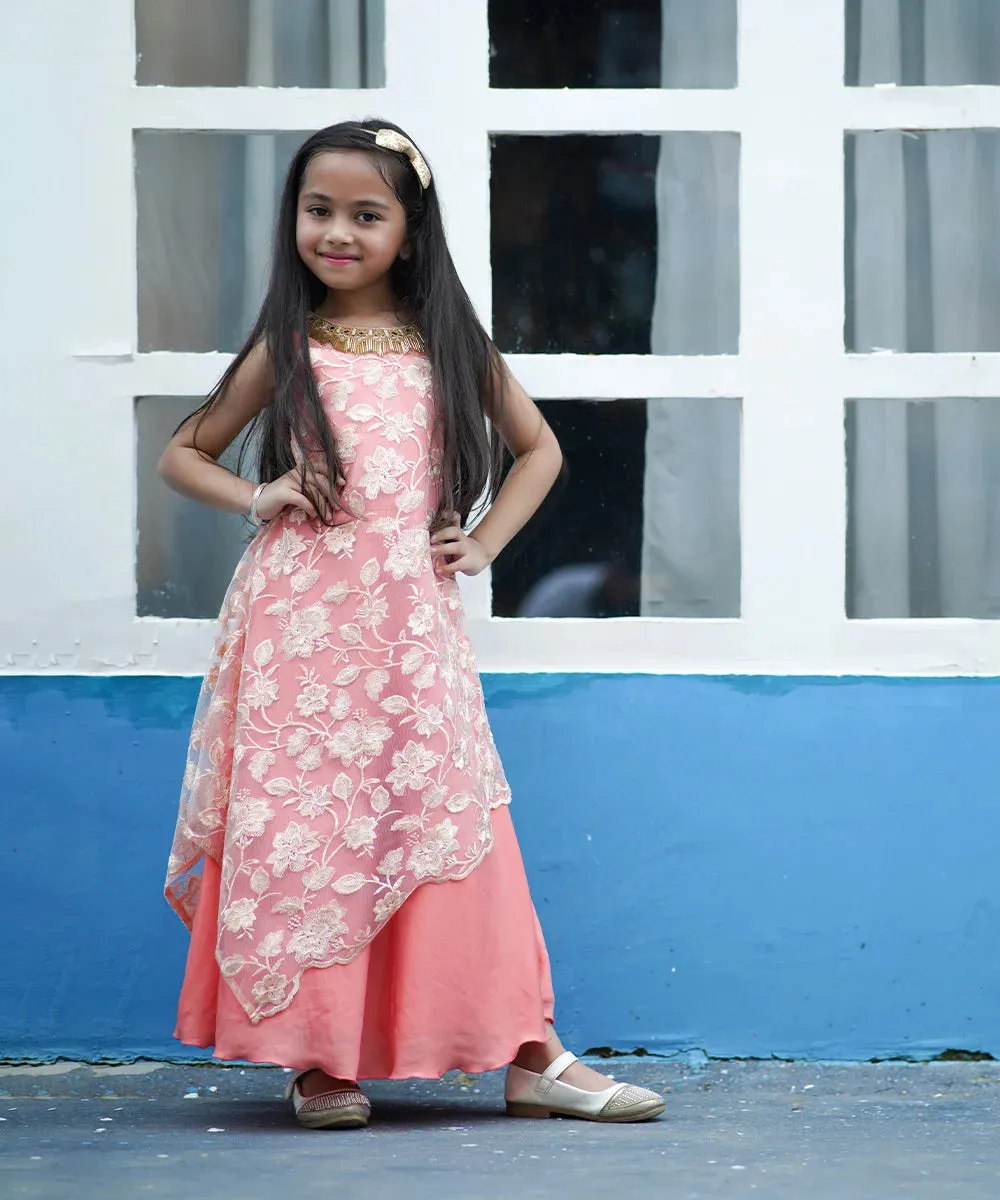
366, 218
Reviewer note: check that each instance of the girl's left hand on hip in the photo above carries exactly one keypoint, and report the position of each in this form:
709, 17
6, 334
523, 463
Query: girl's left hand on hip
460, 550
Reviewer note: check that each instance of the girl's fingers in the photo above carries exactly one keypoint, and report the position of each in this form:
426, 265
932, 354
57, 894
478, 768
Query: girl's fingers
298, 500
319, 482
316, 475
322, 490
447, 548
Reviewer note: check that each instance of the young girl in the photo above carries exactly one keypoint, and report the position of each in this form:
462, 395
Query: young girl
344, 857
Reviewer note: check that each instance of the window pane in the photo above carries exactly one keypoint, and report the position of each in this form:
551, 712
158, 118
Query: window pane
923, 241
240, 43
616, 244
646, 522
186, 552
206, 205
613, 43
935, 42
923, 535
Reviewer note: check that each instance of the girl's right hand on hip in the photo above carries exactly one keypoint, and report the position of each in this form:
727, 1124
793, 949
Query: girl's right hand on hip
287, 492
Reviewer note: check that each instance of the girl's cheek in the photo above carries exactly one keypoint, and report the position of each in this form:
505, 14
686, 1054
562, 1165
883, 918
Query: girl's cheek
303, 242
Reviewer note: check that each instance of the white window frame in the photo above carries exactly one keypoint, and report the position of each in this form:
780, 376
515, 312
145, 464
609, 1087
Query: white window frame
792, 374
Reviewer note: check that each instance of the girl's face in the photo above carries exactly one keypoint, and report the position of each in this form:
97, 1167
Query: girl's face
351, 227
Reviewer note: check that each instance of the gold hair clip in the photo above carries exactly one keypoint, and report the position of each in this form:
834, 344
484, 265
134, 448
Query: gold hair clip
389, 139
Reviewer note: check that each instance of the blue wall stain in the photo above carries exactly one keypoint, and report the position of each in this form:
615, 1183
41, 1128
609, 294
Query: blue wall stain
750, 866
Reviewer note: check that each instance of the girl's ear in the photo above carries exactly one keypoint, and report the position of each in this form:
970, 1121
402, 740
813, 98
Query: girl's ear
405, 252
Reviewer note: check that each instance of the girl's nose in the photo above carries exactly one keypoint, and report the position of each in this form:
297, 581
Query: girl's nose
339, 234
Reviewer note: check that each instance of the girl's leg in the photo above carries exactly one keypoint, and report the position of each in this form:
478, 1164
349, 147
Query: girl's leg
317, 1082
536, 1056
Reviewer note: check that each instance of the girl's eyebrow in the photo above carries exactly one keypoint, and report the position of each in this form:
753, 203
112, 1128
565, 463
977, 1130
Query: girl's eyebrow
358, 203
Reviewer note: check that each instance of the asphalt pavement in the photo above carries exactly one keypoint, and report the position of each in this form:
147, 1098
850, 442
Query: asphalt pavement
732, 1129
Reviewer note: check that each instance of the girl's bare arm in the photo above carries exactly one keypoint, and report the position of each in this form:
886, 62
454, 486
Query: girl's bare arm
196, 472
537, 461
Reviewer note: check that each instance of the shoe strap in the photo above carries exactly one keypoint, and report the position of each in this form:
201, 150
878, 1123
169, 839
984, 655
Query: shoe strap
290, 1088
554, 1070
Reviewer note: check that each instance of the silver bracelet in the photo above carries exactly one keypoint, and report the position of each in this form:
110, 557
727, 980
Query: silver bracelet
252, 514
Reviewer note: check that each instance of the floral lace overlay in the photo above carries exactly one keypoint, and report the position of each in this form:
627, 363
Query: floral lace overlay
340, 755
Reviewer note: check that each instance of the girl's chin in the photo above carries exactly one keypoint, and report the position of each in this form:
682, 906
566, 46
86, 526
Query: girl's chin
341, 280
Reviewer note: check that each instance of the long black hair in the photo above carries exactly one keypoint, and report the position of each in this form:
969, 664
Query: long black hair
466, 370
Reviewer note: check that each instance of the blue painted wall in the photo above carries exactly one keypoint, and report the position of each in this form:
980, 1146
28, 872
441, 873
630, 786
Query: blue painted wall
749, 866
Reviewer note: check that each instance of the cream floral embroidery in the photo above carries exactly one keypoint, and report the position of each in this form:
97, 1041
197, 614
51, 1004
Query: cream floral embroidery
340, 755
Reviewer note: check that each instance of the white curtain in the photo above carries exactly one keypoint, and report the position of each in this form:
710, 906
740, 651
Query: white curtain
691, 549
923, 275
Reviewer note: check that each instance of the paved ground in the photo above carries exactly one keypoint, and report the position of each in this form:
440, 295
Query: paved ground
734, 1130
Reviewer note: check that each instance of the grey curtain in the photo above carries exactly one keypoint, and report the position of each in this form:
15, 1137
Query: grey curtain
206, 206
691, 545
923, 275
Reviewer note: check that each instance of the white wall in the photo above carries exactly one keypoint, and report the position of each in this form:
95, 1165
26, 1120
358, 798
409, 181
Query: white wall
70, 368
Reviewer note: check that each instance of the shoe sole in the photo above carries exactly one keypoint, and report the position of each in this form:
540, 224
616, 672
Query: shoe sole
639, 1112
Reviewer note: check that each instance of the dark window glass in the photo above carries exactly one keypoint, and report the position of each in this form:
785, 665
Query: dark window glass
645, 521
620, 244
923, 535
613, 43
186, 552
917, 42
236, 43
582, 554
923, 241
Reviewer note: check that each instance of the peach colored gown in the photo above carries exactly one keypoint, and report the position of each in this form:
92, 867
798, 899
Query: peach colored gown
344, 854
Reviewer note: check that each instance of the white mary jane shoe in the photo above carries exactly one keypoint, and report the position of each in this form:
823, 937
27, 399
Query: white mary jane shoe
347, 1108
531, 1095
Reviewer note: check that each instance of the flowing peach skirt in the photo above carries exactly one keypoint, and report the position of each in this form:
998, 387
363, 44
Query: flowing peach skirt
458, 978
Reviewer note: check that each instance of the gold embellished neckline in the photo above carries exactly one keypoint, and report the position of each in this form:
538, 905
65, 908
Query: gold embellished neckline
359, 339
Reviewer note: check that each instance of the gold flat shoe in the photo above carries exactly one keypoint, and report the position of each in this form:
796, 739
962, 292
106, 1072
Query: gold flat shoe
345, 1108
